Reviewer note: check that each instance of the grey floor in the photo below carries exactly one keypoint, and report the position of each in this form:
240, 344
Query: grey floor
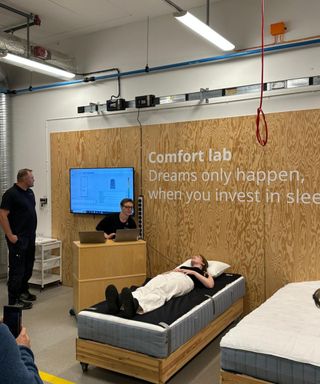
53, 332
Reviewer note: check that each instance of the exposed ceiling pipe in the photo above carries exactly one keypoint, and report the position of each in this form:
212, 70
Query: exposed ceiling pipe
24, 48
13, 10
13, 44
5, 162
36, 21
173, 66
18, 46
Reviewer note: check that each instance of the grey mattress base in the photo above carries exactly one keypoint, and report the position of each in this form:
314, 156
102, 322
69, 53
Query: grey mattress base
269, 368
158, 340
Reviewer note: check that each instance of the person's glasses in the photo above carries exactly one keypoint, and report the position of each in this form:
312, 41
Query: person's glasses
128, 206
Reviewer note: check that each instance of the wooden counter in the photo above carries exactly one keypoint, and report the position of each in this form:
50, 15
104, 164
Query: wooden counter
97, 265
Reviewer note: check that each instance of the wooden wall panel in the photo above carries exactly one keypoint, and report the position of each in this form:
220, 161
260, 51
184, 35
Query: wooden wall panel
226, 231
95, 148
293, 230
270, 243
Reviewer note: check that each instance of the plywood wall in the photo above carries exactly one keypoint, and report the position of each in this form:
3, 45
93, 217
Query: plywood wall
176, 229
96, 148
269, 242
292, 231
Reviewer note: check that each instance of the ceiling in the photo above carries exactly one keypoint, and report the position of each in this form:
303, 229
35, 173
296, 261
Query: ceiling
63, 19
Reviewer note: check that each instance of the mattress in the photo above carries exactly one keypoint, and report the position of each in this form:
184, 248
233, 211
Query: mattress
162, 331
279, 341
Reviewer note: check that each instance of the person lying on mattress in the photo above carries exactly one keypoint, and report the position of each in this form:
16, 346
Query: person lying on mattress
160, 289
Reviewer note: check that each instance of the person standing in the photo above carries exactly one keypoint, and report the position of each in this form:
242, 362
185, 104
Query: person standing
120, 220
18, 220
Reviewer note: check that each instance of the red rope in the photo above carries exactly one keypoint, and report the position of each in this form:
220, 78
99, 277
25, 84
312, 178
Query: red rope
262, 141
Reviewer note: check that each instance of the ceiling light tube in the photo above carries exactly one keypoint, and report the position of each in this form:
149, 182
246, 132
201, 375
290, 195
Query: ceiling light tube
33, 65
204, 30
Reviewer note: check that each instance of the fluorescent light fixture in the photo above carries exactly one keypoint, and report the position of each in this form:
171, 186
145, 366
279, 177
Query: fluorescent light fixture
33, 65
204, 30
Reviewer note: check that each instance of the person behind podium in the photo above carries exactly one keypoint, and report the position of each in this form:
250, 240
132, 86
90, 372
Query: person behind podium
118, 220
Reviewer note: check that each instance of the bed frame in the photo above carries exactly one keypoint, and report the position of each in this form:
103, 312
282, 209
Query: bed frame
152, 369
238, 378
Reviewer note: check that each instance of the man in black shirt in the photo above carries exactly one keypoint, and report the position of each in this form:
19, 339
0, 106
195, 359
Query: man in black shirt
120, 220
18, 220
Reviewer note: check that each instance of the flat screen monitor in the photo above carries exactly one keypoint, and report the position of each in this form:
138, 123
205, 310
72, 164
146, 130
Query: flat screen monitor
98, 191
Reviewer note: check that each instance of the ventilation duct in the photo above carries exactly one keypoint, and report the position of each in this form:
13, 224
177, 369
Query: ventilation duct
18, 46
5, 162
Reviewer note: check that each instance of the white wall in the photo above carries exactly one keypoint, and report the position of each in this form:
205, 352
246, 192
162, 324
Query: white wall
37, 114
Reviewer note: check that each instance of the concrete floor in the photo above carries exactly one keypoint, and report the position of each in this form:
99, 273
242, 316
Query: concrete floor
53, 332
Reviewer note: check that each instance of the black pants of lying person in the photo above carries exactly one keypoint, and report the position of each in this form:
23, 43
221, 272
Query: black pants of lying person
123, 301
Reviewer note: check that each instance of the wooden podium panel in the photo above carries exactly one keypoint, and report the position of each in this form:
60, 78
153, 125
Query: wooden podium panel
97, 265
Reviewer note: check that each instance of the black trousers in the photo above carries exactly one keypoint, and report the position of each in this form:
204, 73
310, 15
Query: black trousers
21, 260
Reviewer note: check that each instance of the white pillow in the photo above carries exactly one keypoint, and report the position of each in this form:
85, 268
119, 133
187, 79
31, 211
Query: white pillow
215, 268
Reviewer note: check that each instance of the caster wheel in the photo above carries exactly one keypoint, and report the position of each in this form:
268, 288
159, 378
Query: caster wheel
84, 367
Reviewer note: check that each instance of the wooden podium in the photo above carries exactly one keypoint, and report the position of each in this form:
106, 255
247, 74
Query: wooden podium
97, 265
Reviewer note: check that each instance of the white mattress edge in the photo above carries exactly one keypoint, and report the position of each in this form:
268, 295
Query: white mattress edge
194, 309
292, 318
120, 320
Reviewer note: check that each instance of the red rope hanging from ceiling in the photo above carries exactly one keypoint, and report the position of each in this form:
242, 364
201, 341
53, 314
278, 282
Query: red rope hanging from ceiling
260, 114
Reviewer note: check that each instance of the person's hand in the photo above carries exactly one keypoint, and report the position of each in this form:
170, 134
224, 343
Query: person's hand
110, 236
23, 338
185, 271
12, 238
189, 272
180, 270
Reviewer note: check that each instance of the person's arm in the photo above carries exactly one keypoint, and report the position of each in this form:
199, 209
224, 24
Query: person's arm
132, 223
100, 226
206, 280
17, 361
4, 222
104, 225
109, 236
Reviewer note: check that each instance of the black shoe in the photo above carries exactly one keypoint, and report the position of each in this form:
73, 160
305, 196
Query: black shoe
28, 296
22, 304
112, 297
129, 303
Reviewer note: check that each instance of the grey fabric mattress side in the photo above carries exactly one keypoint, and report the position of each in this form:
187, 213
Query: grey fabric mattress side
199, 317
269, 368
157, 340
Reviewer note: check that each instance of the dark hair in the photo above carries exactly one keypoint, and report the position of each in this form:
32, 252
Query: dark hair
205, 263
22, 173
125, 201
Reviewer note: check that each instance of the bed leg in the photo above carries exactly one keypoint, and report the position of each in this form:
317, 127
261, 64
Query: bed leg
84, 367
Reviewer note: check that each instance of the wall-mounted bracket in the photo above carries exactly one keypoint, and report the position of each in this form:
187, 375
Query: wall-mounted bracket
207, 94
204, 95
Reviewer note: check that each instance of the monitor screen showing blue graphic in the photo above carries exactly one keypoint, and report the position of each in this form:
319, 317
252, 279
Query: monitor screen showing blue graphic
99, 190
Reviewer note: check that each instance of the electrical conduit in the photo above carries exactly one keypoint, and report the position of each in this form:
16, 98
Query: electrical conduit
184, 64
